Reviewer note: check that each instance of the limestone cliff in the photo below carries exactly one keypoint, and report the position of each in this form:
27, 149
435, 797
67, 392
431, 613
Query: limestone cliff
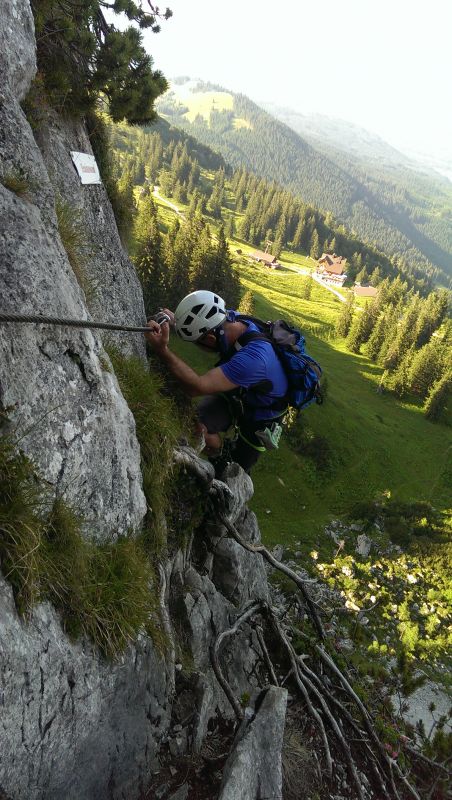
73, 724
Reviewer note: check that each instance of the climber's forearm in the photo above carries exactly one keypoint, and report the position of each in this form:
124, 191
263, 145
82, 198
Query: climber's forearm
193, 384
189, 379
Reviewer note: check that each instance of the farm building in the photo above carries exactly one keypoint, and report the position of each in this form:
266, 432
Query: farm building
365, 291
265, 258
331, 269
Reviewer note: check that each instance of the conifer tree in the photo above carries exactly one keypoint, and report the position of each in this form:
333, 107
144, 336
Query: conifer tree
201, 267
223, 278
306, 289
315, 245
229, 227
427, 367
405, 337
166, 182
177, 260
345, 318
216, 201
280, 236
245, 228
81, 55
362, 327
433, 311
376, 278
399, 379
382, 331
362, 277
298, 240
125, 206
148, 256
439, 398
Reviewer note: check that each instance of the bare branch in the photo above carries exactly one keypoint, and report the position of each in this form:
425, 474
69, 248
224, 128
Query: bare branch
166, 623
313, 711
266, 655
259, 549
253, 608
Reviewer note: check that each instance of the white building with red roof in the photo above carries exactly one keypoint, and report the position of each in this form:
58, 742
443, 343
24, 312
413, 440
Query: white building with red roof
331, 269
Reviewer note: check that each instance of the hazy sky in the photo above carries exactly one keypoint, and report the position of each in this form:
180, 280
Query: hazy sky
383, 64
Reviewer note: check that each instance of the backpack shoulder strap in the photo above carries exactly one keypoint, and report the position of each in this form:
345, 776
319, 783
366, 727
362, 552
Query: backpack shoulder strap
252, 336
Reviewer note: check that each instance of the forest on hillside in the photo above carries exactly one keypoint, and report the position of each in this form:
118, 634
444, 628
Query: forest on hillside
250, 207
413, 193
389, 216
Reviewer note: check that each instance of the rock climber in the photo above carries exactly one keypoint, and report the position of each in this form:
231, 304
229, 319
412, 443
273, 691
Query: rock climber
246, 390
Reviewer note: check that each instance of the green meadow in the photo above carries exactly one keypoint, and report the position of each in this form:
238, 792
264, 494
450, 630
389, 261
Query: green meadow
377, 444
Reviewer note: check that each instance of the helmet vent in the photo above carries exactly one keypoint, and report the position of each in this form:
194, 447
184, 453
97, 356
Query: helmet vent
197, 309
215, 299
188, 319
212, 312
187, 332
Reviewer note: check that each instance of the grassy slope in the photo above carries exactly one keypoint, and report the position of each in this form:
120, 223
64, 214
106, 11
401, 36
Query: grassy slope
381, 444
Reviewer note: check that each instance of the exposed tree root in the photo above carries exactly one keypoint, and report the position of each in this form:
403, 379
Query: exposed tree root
259, 549
333, 719
266, 655
248, 612
166, 622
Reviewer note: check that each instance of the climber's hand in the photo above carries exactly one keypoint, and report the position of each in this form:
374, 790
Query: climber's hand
158, 336
170, 314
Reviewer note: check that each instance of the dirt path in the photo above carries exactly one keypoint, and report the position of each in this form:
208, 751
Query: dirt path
168, 203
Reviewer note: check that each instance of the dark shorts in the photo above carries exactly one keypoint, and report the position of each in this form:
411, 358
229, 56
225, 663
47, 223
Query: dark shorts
218, 413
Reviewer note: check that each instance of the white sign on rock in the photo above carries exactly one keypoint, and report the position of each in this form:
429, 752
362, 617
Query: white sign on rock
86, 167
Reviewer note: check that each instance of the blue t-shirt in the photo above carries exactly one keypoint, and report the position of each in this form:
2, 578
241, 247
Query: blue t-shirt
256, 362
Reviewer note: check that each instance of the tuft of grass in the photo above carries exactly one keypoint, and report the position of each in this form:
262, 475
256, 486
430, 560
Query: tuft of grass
16, 181
158, 428
21, 524
76, 243
107, 592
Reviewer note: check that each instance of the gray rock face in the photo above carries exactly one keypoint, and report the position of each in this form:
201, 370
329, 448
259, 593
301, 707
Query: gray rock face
363, 545
253, 770
206, 605
242, 488
238, 574
17, 46
71, 724
113, 286
55, 382
81, 433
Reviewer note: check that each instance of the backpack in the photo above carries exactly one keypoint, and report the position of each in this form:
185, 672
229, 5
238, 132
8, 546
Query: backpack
303, 372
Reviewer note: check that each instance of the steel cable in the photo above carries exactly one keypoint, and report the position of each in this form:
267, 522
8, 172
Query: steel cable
70, 323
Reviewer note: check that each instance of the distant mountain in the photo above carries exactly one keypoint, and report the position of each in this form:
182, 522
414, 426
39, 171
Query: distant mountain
341, 135
365, 183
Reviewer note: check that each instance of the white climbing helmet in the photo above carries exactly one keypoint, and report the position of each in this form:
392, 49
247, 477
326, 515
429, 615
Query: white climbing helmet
198, 313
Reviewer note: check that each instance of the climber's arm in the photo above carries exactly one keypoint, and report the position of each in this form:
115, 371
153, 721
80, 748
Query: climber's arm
194, 385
